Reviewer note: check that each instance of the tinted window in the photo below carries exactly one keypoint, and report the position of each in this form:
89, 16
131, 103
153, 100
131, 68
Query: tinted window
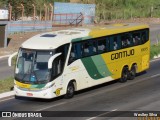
59, 62
136, 38
101, 45
76, 52
114, 43
87, 48
126, 40
144, 36
95, 49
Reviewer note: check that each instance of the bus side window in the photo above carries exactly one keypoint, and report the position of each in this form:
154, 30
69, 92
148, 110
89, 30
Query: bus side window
136, 39
89, 48
114, 43
144, 36
147, 34
59, 62
85, 49
126, 40
64, 50
101, 45
73, 53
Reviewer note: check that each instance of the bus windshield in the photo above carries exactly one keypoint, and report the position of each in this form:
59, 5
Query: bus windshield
32, 66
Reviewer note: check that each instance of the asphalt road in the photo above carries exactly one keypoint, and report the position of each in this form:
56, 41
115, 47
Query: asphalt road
139, 94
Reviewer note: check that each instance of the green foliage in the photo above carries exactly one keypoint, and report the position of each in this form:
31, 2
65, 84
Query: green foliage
17, 8
125, 9
6, 85
155, 50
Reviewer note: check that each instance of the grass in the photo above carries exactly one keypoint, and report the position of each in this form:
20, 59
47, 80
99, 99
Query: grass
6, 84
155, 50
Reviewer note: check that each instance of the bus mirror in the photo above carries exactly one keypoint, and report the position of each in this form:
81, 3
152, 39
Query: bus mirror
10, 58
51, 59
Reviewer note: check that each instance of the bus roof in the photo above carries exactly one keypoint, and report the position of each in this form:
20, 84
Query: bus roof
52, 40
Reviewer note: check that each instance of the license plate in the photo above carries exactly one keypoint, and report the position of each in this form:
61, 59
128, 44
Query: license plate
29, 94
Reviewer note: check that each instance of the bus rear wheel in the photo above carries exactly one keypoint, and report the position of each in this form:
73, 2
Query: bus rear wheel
124, 75
132, 73
70, 90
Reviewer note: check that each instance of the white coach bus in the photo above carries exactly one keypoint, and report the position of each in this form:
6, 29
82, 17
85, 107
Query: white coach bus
62, 62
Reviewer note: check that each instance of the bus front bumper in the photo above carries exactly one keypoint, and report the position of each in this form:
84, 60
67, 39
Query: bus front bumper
45, 94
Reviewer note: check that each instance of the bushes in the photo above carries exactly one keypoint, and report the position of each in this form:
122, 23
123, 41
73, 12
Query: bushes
6, 85
155, 50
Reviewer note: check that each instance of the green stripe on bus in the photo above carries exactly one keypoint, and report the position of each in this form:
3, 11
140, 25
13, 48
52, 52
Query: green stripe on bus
101, 65
38, 86
81, 39
91, 68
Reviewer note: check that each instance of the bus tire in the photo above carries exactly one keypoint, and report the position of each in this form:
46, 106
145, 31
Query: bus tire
132, 73
124, 75
70, 90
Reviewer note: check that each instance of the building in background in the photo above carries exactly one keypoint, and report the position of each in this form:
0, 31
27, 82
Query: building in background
67, 13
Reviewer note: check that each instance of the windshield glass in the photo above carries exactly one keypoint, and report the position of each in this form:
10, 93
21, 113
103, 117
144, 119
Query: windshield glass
32, 66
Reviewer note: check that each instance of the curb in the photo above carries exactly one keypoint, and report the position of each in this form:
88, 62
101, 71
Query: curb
7, 94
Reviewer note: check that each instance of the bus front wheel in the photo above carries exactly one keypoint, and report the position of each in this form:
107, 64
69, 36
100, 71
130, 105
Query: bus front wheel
70, 90
124, 75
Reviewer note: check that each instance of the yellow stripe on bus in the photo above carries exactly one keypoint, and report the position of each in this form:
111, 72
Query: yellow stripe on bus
22, 85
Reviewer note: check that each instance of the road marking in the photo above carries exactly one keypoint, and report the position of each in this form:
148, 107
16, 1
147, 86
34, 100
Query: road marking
101, 114
156, 75
51, 106
6, 99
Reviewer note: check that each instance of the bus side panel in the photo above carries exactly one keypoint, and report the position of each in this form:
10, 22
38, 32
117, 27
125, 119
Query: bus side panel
145, 56
116, 60
87, 72
76, 71
97, 70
